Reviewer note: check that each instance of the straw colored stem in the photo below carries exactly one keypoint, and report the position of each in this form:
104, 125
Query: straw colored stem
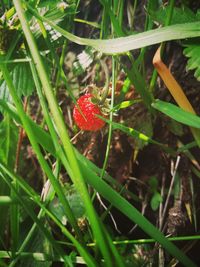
174, 88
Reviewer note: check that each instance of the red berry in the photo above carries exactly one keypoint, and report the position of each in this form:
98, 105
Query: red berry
88, 121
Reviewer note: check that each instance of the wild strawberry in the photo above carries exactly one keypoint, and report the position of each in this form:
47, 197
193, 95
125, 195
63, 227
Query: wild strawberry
88, 121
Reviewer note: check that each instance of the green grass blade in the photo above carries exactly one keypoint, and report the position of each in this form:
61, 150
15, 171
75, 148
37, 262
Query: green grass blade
125, 44
177, 113
29, 190
75, 173
40, 257
136, 134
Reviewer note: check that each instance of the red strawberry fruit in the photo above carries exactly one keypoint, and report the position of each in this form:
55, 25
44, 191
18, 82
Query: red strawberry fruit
88, 121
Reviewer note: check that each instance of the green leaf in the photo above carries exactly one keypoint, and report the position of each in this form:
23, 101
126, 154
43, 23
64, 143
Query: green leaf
192, 51
155, 201
131, 132
22, 80
4, 93
153, 183
75, 203
177, 113
180, 15
175, 127
126, 104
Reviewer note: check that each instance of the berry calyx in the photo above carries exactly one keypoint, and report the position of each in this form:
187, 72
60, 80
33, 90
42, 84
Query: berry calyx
87, 121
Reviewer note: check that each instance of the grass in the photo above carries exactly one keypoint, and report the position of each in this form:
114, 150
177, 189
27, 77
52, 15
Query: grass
46, 228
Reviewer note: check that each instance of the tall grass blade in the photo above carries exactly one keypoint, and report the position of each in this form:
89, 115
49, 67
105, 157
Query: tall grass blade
125, 44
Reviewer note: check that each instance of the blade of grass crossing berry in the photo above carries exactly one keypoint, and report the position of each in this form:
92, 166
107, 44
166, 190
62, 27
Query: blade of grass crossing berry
76, 175
58, 147
125, 44
29, 132
55, 140
44, 139
66, 206
125, 207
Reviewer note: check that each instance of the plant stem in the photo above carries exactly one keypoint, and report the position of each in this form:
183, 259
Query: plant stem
111, 117
75, 174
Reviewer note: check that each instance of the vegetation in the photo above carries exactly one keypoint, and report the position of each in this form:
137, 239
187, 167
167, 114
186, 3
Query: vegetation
121, 192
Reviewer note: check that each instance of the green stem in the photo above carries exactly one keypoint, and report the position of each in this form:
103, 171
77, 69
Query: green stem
76, 175
7, 200
68, 210
150, 240
111, 117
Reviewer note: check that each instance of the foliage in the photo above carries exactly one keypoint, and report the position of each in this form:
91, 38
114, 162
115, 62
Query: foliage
58, 205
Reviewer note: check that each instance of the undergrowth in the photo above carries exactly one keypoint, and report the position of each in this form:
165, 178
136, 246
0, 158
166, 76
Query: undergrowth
120, 196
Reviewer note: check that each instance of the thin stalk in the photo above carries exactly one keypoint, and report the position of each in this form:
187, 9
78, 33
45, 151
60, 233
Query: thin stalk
150, 240
111, 117
7, 200
14, 209
133, 14
76, 175
170, 191
61, 62
11, 61
15, 219
68, 210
